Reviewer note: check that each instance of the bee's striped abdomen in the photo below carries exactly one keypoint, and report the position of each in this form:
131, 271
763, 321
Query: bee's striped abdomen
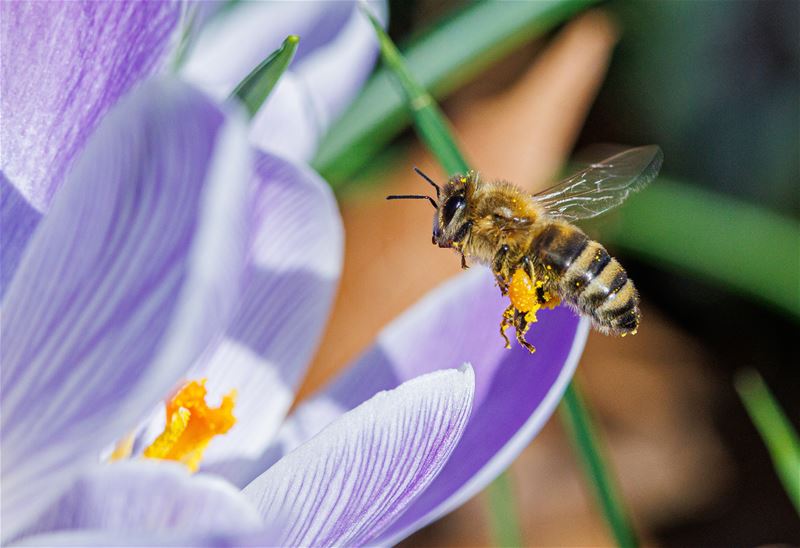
589, 278
558, 246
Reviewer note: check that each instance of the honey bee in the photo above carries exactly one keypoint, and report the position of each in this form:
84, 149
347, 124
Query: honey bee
537, 255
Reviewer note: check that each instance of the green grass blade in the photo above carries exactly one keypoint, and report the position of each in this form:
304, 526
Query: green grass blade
432, 127
256, 87
775, 429
442, 59
502, 513
745, 248
584, 437
430, 123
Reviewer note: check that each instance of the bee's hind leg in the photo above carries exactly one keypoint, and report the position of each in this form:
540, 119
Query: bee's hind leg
521, 325
505, 323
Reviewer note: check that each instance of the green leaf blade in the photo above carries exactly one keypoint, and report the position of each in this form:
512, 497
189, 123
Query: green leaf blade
775, 429
256, 87
379, 113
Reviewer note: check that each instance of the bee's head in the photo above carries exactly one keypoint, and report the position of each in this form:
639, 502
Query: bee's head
449, 222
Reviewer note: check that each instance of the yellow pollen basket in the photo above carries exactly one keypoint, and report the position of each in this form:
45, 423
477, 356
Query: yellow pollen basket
522, 293
191, 425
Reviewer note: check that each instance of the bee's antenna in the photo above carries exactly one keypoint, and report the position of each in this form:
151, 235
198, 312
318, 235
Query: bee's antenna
419, 172
414, 197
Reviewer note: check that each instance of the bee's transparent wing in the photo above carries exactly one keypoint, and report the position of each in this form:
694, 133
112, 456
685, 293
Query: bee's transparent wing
602, 185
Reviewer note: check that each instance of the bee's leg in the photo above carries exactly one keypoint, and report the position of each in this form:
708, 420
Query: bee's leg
499, 257
502, 283
527, 264
462, 232
497, 268
505, 323
459, 238
522, 326
543, 295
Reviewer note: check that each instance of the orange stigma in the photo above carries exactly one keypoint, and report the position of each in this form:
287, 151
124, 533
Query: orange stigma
191, 425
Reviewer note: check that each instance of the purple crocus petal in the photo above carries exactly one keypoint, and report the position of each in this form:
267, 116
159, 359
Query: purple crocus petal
346, 485
336, 53
64, 64
520, 401
515, 392
133, 270
290, 283
18, 219
152, 496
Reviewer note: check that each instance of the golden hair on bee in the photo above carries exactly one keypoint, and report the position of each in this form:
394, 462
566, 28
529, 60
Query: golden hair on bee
538, 257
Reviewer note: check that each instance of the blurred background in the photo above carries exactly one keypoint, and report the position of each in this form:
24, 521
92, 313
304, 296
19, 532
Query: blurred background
717, 86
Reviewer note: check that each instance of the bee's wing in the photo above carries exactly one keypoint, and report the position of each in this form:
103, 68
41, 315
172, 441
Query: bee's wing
602, 185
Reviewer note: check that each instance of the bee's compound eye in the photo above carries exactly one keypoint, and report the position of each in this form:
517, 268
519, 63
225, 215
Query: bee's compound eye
451, 207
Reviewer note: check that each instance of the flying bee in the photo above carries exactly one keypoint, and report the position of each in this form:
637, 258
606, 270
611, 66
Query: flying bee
537, 255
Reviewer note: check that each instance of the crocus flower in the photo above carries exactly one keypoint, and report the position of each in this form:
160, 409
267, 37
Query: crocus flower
151, 247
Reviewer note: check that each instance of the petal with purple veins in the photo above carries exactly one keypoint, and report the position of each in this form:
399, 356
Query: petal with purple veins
133, 270
347, 484
294, 268
521, 399
149, 496
64, 65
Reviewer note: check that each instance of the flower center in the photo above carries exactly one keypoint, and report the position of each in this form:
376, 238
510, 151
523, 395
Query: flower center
191, 425
528, 295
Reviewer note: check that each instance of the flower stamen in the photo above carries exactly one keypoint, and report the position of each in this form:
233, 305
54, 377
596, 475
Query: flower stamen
191, 425
123, 448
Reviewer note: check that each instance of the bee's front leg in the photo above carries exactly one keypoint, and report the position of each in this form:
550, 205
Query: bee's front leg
458, 242
498, 264
502, 283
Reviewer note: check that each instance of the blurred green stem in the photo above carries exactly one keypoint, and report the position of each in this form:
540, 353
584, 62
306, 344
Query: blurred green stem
435, 132
584, 437
503, 513
775, 429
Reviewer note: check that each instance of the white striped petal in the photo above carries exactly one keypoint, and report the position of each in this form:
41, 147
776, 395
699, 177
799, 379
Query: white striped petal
348, 484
